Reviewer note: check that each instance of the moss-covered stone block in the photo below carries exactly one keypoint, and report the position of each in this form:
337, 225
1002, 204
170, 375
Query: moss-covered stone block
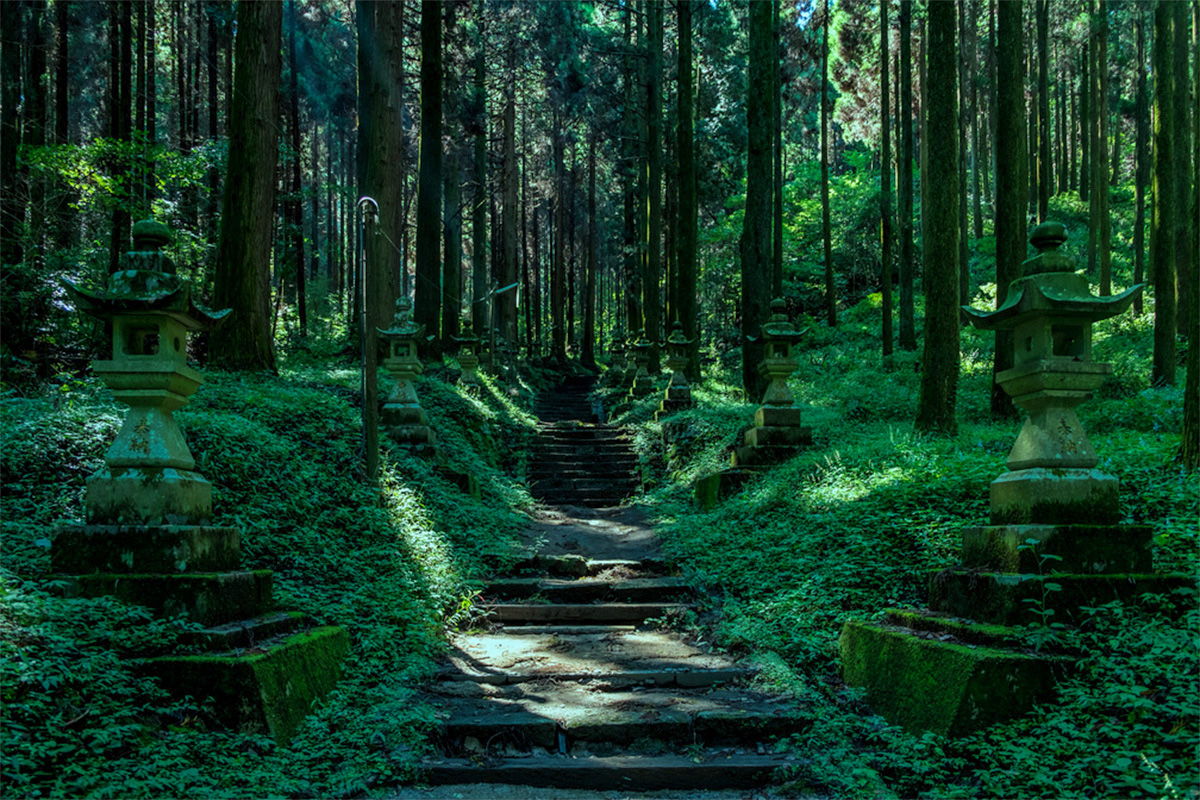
270, 690
1055, 497
710, 490
206, 598
951, 689
80, 549
1080, 548
1001, 598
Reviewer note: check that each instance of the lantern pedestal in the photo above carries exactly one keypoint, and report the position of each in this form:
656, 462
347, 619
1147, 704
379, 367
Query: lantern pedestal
1054, 545
148, 540
678, 394
643, 381
402, 415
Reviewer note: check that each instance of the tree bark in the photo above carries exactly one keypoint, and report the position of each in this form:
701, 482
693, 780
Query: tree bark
427, 290
1099, 228
1185, 263
651, 282
589, 290
907, 332
507, 303
885, 181
294, 212
939, 360
1141, 159
756, 227
452, 261
244, 250
479, 310
1163, 225
826, 223
686, 240
12, 207
1045, 181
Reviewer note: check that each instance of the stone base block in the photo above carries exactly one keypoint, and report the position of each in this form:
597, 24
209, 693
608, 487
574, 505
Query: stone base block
80, 549
396, 415
778, 436
465, 481
777, 416
245, 634
712, 489
268, 689
412, 435
1043, 496
1000, 598
148, 496
939, 685
206, 598
680, 396
642, 386
761, 455
1080, 548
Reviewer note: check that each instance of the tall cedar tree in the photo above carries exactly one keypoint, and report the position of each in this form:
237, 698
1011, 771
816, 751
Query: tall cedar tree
588, 355
506, 304
452, 260
12, 210
1011, 187
242, 280
1141, 158
1042, 13
826, 224
380, 153
1185, 258
756, 226
908, 331
651, 293
885, 179
686, 240
427, 292
777, 155
1099, 228
939, 360
294, 206
479, 310
1163, 225
1189, 446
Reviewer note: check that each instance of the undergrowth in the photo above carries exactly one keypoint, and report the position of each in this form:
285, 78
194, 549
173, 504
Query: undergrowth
392, 564
856, 523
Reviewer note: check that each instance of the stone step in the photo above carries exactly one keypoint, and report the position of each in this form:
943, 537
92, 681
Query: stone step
589, 590
585, 486
591, 433
577, 566
619, 462
712, 770
555, 717
581, 450
598, 613
247, 633
633, 658
583, 501
543, 472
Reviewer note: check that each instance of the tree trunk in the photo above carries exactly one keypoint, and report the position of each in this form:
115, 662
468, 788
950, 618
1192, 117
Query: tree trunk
427, 291
479, 310
1011, 188
1141, 159
964, 253
756, 226
777, 157
651, 291
939, 360
12, 208
1045, 180
826, 223
558, 331
1163, 225
589, 288
1189, 445
686, 240
1185, 263
294, 214
629, 170
242, 279
907, 333
507, 303
452, 260
885, 180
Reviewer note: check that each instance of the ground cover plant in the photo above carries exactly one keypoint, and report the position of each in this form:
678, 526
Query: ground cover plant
855, 525
393, 565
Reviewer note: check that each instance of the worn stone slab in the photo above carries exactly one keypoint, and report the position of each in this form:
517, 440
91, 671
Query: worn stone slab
605, 613
586, 590
1079, 548
514, 658
627, 773
206, 598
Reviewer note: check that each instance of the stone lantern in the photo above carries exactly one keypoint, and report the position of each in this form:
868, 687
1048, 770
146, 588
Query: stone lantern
643, 383
149, 538
679, 393
402, 412
468, 359
1050, 311
777, 431
1051, 505
149, 475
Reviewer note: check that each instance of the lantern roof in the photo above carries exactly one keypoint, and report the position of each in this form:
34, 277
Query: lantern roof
403, 325
778, 327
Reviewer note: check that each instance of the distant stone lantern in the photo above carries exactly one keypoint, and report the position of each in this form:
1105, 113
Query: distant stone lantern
679, 393
777, 431
643, 383
402, 412
468, 359
1050, 311
149, 475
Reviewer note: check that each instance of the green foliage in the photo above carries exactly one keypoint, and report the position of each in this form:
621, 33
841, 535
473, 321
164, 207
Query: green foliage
392, 564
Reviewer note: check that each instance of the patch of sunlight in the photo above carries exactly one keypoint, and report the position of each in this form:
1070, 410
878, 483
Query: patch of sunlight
428, 549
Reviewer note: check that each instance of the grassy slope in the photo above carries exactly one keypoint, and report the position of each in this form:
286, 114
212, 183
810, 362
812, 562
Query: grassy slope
853, 525
393, 566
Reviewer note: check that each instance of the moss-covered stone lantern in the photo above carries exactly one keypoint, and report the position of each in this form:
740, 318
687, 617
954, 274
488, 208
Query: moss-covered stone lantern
149, 475
679, 392
643, 382
969, 660
777, 430
468, 359
402, 412
1050, 311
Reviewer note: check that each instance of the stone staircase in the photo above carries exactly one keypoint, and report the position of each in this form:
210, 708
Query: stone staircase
575, 460
577, 682
574, 678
